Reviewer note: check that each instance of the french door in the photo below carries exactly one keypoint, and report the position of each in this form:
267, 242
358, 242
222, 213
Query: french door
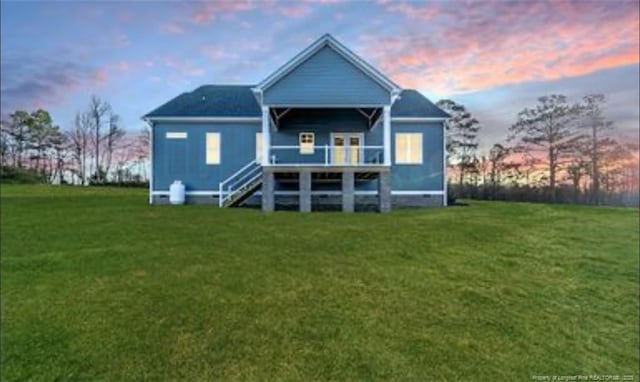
347, 148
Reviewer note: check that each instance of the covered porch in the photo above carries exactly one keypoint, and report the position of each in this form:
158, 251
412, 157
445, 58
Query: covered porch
350, 136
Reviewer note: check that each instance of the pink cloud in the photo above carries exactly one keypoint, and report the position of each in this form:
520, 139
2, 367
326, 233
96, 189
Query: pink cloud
537, 41
217, 54
206, 13
297, 10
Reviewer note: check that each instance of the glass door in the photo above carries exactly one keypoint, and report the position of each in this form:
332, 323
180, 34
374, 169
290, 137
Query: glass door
354, 149
347, 149
338, 156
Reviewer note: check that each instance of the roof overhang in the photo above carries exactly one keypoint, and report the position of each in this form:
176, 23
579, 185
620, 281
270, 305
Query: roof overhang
204, 119
418, 119
328, 40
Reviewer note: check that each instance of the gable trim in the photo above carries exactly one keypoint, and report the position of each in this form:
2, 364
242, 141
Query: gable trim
328, 40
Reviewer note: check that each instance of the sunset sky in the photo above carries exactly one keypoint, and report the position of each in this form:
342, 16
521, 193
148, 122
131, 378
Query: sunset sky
495, 57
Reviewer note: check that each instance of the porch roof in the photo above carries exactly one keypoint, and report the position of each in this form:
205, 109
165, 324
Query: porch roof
239, 101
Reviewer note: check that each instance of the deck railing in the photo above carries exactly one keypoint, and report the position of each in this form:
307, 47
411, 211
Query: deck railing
327, 155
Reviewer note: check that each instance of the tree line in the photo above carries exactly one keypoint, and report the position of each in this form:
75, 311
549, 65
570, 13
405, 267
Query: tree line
94, 149
555, 151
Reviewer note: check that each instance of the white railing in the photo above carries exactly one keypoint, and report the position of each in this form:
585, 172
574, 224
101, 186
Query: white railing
248, 174
327, 155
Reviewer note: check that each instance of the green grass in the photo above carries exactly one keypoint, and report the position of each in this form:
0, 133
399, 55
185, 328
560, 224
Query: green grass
97, 285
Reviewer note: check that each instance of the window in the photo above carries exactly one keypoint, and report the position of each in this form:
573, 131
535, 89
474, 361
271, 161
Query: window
176, 135
409, 148
307, 141
213, 148
259, 147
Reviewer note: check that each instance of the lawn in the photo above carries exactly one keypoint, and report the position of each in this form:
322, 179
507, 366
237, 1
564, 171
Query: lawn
98, 285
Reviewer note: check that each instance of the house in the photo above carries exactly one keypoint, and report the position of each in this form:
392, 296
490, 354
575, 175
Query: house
325, 129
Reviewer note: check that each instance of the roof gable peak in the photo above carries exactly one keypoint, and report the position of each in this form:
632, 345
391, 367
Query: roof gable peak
327, 40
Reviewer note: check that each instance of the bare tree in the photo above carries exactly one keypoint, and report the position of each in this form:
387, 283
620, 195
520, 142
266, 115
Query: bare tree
497, 155
58, 145
113, 137
79, 140
548, 128
98, 110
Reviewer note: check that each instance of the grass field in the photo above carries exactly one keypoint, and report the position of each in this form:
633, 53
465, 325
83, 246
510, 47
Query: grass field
97, 285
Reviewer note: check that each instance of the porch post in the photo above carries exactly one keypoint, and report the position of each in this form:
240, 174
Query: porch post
384, 192
347, 191
305, 191
444, 164
266, 137
268, 183
386, 129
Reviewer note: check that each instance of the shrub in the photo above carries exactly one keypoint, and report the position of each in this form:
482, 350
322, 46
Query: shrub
16, 175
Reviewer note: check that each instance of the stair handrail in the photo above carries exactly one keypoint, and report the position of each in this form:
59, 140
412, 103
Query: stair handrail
231, 181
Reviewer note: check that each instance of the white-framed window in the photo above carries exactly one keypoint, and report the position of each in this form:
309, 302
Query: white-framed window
213, 148
409, 148
176, 135
259, 147
307, 142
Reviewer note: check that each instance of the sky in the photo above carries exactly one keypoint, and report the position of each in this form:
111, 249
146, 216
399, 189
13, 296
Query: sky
495, 57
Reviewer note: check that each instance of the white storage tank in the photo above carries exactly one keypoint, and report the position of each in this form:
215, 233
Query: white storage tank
176, 193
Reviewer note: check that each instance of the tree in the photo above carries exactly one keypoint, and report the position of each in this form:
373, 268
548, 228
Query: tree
59, 145
79, 139
497, 155
594, 122
579, 164
98, 109
462, 138
113, 137
4, 142
548, 127
40, 128
18, 130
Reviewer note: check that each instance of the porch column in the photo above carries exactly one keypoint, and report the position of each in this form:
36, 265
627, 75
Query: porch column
384, 192
386, 133
305, 191
266, 137
348, 191
444, 163
268, 182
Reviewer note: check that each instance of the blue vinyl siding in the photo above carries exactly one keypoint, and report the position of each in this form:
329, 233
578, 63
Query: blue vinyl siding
326, 78
429, 175
185, 159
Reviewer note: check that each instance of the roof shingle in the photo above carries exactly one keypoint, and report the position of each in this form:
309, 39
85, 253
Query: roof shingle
211, 101
414, 104
239, 101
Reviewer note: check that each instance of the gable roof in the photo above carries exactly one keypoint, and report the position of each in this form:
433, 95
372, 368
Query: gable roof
330, 41
412, 104
211, 101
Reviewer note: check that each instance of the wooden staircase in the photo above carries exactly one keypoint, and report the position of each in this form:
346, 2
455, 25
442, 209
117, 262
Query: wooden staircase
240, 186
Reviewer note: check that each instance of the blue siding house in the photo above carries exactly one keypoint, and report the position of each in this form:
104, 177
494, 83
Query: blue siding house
324, 130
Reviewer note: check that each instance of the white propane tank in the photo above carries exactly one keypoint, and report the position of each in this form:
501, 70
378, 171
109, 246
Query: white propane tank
176, 193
